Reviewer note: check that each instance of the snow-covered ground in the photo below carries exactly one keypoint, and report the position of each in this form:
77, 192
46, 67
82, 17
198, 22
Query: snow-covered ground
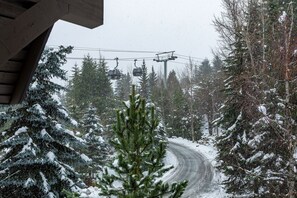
170, 160
207, 149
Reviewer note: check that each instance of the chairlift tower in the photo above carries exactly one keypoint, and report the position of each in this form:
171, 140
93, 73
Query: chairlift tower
165, 57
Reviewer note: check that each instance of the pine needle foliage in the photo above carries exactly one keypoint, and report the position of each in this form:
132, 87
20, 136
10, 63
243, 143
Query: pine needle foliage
138, 165
39, 155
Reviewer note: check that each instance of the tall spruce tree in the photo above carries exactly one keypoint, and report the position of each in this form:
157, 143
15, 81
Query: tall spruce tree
237, 111
204, 92
96, 146
88, 79
39, 160
191, 122
257, 150
91, 85
152, 85
103, 100
74, 95
218, 96
144, 82
123, 87
177, 106
139, 157
273, 141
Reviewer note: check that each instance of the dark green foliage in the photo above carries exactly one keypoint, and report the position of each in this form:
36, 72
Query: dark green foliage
74, 93
256, 150
144, 82
39, 157
90, 84
123, 87
175, 108
152, 85
139, 156
204, 92
232, 144
96, 146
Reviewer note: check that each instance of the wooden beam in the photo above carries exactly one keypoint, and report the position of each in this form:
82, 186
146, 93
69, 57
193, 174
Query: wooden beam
8, 78
87, 13
28, 26
4, 99
11, 66
29, 67
10, 10
20, 56
4, 21
6, 89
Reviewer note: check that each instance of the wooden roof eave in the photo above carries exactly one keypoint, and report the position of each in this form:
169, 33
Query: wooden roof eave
28, 69
24, 29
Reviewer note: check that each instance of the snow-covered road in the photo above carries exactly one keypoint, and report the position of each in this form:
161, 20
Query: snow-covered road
191, 166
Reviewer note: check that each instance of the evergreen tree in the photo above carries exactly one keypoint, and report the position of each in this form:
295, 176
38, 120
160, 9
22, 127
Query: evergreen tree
103, 91
272, 140
238, 110
88, 79
74, 96
204, 92
97, 148
218, 96
40, 157
91, 85
192, 121
138, 162
152, 85
176, 108
144, 82
123, 87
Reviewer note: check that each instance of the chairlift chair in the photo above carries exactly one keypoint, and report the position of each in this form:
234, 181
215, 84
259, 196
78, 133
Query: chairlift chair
137, 71
114, 74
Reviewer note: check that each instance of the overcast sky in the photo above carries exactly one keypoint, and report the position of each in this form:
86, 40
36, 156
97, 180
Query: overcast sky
184, 26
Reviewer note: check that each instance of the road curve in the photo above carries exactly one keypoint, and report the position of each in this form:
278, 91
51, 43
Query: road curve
192, 166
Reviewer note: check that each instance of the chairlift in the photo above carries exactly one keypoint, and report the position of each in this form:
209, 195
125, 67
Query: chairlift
114, 74
137, 71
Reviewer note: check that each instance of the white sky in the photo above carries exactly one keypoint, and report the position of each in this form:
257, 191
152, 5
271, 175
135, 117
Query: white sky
151, 25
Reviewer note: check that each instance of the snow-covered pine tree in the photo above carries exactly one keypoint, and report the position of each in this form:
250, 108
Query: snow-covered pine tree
139, 159
97, 148
238, 110
273, 140
39, 157
232, 143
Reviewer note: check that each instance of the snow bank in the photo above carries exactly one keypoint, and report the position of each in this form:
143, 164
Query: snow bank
169, 160
206, 148
91, 192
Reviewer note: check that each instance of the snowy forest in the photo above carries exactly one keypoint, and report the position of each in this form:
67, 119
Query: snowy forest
113, 134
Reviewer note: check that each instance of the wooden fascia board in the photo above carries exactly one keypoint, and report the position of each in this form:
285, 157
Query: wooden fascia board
28, 26
87, 13
10, 10
29, 67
